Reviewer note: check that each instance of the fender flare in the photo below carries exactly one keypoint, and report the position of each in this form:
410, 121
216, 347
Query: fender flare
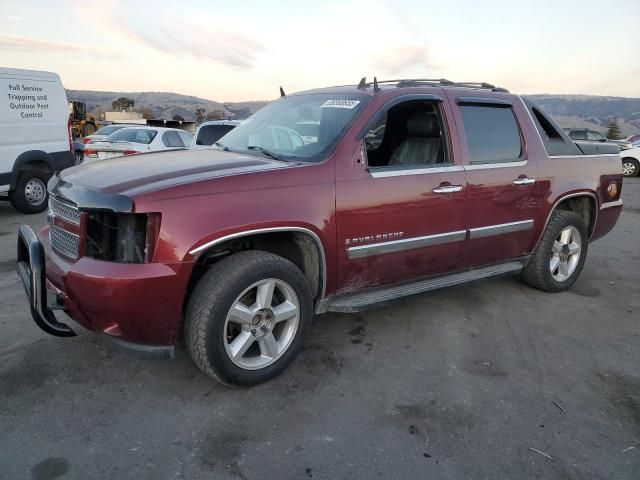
559, 200
26, 158
245, 233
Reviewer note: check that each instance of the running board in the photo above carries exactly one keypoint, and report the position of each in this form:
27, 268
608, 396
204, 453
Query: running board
373, 297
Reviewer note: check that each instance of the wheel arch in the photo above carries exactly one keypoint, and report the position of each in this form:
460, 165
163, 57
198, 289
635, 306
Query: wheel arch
584, 203
300, 245
37, 160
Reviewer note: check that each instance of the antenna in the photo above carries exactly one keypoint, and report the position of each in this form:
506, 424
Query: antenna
376, 88
363, 83
282, 94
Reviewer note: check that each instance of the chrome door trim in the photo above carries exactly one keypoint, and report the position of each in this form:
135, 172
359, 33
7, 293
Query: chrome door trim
491, 230
246, 233
362, 251
482, 166
614, 204
415, 171
587, 156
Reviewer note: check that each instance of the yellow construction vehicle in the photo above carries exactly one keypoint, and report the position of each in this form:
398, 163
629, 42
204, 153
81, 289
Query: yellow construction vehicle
83, 123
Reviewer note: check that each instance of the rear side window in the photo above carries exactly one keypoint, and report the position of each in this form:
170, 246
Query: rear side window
578, 134
171, 139
492, 134
210, 134
186, 138
555, 141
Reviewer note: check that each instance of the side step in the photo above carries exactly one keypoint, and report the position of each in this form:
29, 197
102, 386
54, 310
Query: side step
357, 301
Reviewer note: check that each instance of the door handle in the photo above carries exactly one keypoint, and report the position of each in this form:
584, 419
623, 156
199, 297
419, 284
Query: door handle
524, 181
447, 189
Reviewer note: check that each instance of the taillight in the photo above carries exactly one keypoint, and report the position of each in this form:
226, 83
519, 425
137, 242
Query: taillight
130, 152
90, 153
86, 140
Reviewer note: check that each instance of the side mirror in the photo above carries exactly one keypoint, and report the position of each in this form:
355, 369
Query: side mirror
603, 139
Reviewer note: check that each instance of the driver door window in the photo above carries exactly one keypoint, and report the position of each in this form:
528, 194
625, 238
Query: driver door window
408, 135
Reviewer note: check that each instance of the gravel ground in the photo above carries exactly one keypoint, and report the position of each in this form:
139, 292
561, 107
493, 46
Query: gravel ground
459, 383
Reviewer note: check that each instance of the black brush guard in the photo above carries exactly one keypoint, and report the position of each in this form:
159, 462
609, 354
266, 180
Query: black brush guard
31, 271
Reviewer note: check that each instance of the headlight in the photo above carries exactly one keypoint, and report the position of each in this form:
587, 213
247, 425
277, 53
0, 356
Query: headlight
122, 237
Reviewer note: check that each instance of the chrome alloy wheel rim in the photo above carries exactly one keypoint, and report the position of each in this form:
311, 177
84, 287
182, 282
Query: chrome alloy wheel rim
628, 169
35, 191
261, 324
565, 254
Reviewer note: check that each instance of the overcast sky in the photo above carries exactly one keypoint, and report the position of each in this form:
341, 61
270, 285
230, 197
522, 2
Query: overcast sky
244, 50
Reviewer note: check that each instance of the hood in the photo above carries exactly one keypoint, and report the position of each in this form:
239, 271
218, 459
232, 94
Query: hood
117, 180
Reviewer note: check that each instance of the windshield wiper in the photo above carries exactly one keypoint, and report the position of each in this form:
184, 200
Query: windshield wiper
265, 152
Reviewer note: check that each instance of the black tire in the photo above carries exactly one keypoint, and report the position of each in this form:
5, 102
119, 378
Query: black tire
633, 166
88, 129
213, 297
22, 197
537, 273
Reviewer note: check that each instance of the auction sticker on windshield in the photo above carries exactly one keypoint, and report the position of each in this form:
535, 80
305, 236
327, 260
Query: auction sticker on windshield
340, 103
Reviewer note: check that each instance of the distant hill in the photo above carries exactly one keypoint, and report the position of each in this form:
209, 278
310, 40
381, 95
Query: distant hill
568, 110
592, 111
164, 104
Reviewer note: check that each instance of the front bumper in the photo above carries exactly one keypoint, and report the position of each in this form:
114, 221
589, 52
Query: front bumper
137, 306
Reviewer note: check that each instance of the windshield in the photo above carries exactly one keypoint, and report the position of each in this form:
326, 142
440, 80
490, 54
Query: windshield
134, 135
108, 130
275, 128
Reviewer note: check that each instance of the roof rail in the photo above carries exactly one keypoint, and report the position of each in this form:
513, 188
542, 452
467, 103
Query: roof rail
442, 82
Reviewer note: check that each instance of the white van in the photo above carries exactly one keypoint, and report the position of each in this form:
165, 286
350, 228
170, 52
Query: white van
35, 136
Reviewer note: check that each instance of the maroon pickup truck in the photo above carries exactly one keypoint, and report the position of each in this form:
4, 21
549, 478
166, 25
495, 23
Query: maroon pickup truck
393, 189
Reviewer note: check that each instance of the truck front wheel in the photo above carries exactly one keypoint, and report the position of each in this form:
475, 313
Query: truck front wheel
247, 317
558, 260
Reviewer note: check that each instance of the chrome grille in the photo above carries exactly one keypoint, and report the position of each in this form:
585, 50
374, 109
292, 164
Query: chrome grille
64, 210
63, 242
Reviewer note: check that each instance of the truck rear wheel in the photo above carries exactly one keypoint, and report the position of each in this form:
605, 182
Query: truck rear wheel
247, 317
558, 260
30, 195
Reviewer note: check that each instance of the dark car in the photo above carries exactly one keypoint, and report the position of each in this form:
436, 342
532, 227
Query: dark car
241, 244
587, 135
78, 152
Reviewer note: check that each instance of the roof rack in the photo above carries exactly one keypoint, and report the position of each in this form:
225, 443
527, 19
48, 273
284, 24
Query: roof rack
441, 82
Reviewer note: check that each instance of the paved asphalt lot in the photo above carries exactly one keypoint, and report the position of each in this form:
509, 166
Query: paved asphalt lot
457, 384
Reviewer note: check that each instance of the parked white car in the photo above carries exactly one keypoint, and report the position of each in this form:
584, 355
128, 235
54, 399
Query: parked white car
209, 133
103, 132
35, 136
631, 162
134, 140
